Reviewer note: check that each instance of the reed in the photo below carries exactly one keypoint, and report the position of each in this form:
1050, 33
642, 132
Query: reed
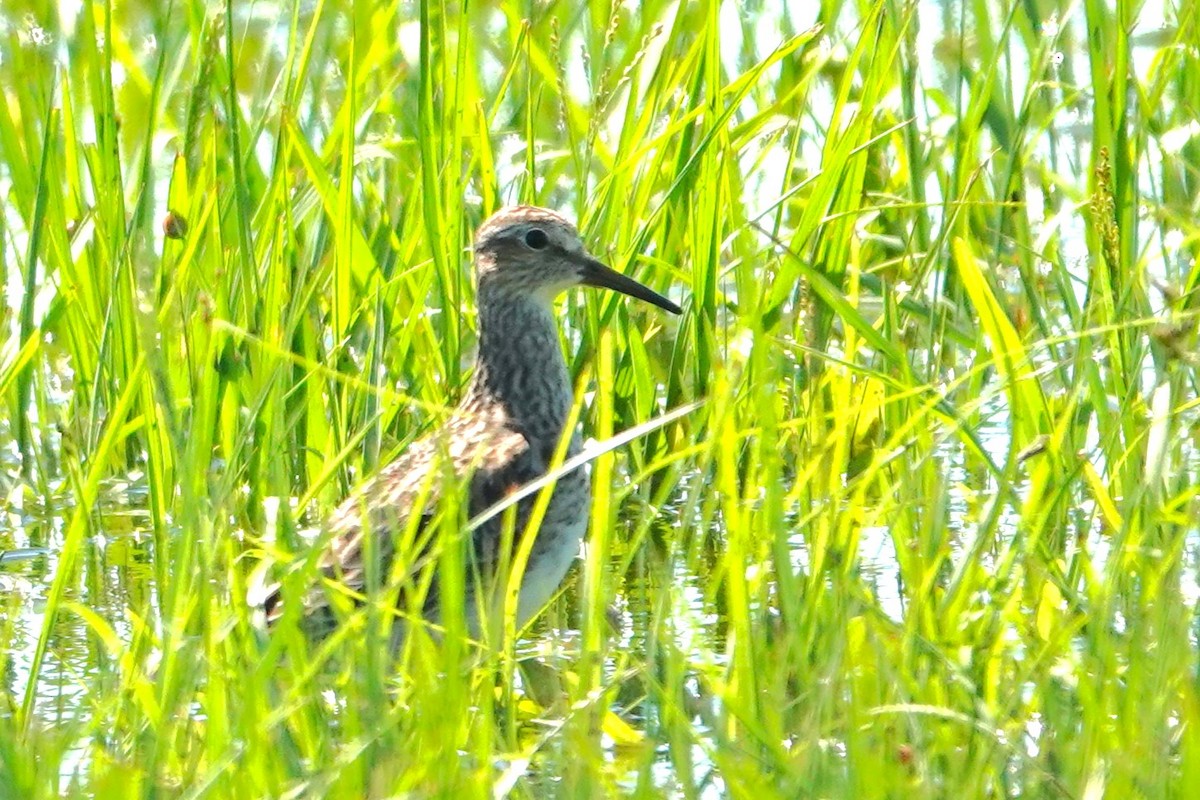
930, 530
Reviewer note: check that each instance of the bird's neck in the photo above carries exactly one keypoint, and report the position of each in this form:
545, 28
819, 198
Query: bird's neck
520, 368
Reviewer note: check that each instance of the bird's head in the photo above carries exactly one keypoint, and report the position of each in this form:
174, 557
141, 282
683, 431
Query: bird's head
525, 250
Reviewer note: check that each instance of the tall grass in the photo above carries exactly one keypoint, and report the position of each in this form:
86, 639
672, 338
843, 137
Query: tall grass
929, 531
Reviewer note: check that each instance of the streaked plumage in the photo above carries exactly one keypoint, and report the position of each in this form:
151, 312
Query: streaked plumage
502, 436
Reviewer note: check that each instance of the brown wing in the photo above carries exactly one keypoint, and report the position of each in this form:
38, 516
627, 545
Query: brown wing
496, 458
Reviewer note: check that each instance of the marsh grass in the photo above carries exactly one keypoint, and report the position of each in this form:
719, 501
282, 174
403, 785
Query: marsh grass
929, 530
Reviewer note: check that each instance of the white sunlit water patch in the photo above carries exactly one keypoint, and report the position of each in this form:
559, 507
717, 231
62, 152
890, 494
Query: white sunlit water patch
877, 549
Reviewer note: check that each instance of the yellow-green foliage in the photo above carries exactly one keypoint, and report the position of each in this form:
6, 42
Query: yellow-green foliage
929, 530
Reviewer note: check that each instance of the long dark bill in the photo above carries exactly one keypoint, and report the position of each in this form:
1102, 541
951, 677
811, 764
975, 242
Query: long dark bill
597, 274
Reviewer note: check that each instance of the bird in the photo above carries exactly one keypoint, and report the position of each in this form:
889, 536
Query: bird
503, 434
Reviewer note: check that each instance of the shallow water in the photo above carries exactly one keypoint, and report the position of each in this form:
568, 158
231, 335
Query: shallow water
115, 577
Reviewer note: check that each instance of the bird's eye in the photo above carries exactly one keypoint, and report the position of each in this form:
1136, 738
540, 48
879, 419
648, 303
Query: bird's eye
537, 239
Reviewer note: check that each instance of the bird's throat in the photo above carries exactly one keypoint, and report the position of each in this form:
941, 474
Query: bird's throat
520, 366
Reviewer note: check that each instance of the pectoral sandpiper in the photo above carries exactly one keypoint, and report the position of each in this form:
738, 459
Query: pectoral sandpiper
503, 435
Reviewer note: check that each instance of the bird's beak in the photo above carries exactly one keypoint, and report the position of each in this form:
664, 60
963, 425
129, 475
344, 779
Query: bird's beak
593, 273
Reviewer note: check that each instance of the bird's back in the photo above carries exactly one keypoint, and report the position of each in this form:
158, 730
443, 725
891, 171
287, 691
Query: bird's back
397, 522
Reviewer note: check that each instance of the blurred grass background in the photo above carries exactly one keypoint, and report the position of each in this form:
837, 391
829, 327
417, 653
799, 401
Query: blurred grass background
933, 531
